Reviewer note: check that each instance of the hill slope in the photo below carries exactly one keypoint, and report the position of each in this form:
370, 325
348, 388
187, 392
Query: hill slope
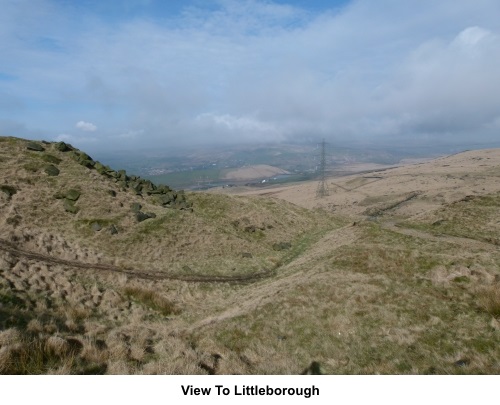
401, 282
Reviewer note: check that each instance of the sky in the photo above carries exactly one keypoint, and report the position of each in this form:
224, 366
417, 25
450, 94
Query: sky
130, 74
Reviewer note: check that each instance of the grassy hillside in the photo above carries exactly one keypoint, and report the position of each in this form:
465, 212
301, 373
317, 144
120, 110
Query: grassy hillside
229, 284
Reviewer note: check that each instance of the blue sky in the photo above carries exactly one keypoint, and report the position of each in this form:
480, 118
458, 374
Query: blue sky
139, 73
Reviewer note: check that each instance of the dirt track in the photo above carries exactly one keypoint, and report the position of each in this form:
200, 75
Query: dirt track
13, 250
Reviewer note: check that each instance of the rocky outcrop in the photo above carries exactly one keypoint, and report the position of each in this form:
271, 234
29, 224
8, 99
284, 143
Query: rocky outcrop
35, 147
63, 147
161, 194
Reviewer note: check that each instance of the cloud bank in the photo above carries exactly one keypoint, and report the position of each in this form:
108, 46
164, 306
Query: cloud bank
244, 71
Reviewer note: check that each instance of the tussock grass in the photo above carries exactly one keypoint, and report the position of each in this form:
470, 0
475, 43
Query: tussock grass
489, 299
152, 299
469, 218
358, 299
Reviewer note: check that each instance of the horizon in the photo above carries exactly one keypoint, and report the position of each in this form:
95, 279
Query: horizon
148, 74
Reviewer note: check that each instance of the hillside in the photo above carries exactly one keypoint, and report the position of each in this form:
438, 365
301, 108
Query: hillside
102, 272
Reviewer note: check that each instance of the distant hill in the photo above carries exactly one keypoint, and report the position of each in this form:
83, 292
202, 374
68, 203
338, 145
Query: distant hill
102, 272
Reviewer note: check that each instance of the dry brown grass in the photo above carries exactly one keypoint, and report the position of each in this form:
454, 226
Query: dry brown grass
152, 299
489, 299
366, 298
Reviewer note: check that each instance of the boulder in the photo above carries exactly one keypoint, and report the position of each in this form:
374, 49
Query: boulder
136, 186
87, 163
101, 169
51, 170
135, 207
95, 226
123, 185
35, 147
141, 216
9, 190
63, 147
69, 206
51, 159
148, 186
72, 194
83, 159
282, 246
162, 189
112, 173
165, 199
59, 195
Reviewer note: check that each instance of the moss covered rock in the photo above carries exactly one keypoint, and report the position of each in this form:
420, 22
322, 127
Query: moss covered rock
69, 206
35, 147
73, 194
51, 170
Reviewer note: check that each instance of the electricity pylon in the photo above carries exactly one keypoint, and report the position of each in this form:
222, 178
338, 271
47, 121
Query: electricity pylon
322, 189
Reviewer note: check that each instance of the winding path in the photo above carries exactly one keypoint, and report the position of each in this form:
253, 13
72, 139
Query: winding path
148, 275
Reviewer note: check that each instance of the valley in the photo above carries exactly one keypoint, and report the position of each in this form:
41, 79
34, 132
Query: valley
395, 271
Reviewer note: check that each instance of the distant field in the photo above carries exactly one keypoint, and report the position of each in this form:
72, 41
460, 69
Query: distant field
217, 177
186, 178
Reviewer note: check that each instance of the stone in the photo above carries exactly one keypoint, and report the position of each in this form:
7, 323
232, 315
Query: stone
51, 170
112, 193
72, 195
182, 205
246, 255
148, 186
112, 173
9, 190
101, 169
63, 147
51, 159
165, 199
87, 163
136, 186
282, 246
462, 363
141, 216
112, 230
83, 159
95, 226
135, 207
35, 147
69, 206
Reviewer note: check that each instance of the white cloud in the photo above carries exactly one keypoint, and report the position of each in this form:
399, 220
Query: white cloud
86, 126
471, 36
258, 70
